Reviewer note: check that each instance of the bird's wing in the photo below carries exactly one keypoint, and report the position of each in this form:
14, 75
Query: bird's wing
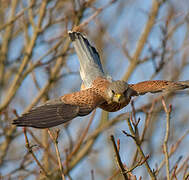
90, 65
158, 86
61, 110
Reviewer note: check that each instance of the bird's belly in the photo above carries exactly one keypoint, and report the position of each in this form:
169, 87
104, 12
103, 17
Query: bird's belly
112, 107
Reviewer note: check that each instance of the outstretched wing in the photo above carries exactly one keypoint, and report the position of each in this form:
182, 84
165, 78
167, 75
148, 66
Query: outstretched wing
48, 115
158, 86
90, 65
58, 111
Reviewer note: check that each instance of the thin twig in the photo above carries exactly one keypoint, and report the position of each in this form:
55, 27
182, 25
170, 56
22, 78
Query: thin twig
165, 148
114, 174
16, 82
80, 140
121, 167
93, 16
143, 38
186, 177
13, 19
92, 175
32, 153
137, 142
140, 163
55, 141
173, 149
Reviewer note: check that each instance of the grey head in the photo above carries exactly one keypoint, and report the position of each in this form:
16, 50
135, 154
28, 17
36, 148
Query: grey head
118, 91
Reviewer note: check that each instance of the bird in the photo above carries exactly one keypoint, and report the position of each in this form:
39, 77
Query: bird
98, 90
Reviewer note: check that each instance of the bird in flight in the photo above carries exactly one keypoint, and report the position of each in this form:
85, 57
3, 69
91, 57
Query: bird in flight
97, 90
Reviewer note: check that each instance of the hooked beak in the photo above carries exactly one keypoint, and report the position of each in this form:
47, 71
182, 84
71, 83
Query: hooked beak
117, 98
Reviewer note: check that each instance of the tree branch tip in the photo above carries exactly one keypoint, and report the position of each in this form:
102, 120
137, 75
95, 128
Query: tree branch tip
112, 136
127, 134
170, 108
15, 113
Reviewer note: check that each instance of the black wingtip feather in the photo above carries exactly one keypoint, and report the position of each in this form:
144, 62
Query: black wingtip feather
74, 35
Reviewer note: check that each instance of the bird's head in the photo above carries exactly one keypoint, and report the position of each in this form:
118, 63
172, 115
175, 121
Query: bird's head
118, 91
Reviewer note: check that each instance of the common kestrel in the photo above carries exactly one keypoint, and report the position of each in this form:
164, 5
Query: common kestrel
97, 90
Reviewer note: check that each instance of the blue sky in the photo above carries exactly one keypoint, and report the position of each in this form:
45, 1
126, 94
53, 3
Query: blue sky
129, 23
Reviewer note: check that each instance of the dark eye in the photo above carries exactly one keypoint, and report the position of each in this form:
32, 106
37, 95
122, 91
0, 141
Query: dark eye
113, 91
125, 92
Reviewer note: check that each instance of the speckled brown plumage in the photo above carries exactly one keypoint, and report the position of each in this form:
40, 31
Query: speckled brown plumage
97, 90
158, 86
87, 97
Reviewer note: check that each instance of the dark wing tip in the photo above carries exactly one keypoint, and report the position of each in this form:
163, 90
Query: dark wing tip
50, 114
47, 115
76, 35
21, 123
72, 35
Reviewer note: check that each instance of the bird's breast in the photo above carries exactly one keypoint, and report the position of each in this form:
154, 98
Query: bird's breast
112, 107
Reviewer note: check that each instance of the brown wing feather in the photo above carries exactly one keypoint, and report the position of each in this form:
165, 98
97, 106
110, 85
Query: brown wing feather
158, 86
58, 111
